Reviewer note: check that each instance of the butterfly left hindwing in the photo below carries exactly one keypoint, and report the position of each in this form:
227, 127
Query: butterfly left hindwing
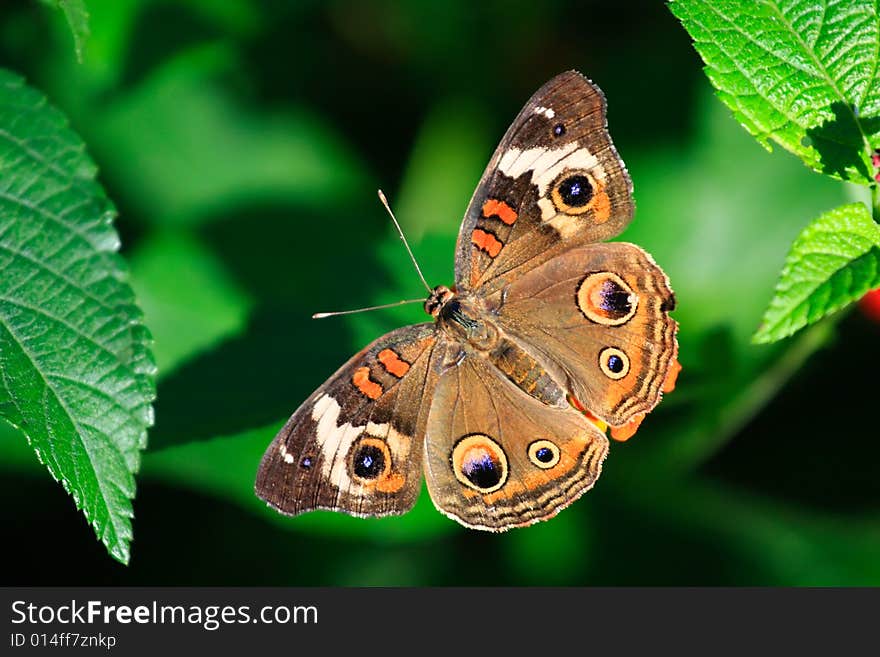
498, 458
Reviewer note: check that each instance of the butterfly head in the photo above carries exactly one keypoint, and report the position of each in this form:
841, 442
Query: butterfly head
438, 298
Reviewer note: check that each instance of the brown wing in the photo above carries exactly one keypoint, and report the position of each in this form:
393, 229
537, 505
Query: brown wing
555, 182
355, 445
498, 458
597, 318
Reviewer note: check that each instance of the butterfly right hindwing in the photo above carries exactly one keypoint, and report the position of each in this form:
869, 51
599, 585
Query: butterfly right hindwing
597, 317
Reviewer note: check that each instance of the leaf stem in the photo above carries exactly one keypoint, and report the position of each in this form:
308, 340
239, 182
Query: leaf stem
875, 202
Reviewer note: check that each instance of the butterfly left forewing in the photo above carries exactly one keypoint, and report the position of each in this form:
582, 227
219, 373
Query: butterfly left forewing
498, 458
355, 445
555, 182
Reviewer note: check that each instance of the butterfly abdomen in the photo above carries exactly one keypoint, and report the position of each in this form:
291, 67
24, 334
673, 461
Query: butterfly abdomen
526, 373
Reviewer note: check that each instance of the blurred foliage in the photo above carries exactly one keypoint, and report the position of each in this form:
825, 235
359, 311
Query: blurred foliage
243, 142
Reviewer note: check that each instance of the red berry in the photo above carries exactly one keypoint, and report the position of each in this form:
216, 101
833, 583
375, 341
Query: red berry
870, 305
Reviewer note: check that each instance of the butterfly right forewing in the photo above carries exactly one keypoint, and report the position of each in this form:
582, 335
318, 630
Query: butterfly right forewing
524, 210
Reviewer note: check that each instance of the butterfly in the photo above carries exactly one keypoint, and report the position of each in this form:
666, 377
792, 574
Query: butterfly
548, 337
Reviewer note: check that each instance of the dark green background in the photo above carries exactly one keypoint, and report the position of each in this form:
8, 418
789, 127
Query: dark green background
243, 142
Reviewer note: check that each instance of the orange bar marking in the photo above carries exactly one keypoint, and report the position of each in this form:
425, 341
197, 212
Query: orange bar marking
362, 382
393, 363
500, 209
487, 242
601, 207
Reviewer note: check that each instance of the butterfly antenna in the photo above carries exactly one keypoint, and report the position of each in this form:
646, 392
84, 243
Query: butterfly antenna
363, 310
415, 264
405, 243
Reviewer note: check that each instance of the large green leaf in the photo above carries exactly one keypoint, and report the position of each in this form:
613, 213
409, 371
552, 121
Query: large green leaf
77, 372
833, 262
802, 73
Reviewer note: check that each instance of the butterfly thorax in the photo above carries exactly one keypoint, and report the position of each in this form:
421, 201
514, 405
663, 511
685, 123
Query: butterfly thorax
463, 318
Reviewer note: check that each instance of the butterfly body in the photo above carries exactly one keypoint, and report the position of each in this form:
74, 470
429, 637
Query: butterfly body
471, 324
547, 336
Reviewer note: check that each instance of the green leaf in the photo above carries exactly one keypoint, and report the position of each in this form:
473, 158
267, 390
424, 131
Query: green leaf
833, 262
78, 18
76, 372
802, 73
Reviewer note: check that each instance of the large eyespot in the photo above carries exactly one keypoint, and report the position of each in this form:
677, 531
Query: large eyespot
572, 192
370, 459
605, 298
544, 454
479, 463
614, 363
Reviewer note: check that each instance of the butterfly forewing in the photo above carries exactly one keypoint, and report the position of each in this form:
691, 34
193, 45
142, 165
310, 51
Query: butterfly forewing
555, 182
356, 444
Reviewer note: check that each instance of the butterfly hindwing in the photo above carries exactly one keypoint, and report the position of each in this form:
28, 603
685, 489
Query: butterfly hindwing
597, 317
497, 457
555, 182
355, 445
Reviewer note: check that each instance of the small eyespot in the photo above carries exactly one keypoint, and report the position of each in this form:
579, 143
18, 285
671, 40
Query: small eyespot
370, 459
479, 463
306, 463
558, 130
605, 298
613, 363
544, 454
573, 192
